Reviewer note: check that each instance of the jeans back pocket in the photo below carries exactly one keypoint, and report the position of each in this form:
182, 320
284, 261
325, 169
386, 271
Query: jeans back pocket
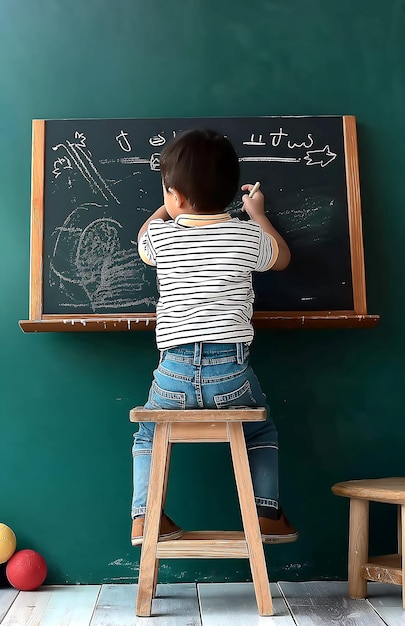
162, 399
240, 397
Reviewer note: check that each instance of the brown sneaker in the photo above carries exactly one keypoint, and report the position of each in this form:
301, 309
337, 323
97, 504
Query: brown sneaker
277, 530
168, 530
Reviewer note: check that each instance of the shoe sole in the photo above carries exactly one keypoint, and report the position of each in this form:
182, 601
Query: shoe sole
279, 538
137, 541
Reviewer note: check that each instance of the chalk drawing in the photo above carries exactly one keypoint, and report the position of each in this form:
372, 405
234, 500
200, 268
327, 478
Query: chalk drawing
96, 270
61, 163
320, 157
87, 170
155, 162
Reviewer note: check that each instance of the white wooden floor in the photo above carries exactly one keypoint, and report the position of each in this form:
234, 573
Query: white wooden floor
202, 604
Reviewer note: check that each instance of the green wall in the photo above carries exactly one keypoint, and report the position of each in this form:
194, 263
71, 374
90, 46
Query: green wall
337, 395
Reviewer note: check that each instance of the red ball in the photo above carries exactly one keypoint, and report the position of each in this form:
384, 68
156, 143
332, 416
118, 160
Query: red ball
26, 570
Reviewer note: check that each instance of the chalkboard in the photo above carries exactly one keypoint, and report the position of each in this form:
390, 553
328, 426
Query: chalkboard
95, 181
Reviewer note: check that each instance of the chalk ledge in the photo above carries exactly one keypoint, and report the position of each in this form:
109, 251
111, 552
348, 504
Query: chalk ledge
260, 320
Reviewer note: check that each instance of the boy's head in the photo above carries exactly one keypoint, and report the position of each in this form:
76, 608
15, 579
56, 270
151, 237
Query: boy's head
204, 167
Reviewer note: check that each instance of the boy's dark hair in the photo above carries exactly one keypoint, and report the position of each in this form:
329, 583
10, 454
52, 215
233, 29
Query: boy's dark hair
204, 167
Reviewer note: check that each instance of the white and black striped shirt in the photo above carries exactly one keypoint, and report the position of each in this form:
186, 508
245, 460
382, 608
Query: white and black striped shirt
204, 267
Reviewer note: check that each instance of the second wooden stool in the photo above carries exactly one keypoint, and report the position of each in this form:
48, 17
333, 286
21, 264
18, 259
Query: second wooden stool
362, 567
200, 426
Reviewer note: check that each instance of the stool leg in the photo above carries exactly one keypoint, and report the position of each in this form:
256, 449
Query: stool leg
358, 546
155, 578
402, 552
168, 454
249, 518
152, 520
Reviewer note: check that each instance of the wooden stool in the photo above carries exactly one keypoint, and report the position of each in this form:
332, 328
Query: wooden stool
200, 426
385, 569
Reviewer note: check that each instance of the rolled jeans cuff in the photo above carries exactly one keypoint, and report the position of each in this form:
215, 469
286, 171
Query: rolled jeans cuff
140, 511
266, 502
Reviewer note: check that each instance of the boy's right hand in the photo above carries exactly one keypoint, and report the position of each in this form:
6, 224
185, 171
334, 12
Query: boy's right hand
254, 207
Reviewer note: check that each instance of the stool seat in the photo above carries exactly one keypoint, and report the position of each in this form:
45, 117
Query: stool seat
139, 414
361, 567
200, 426
391, 490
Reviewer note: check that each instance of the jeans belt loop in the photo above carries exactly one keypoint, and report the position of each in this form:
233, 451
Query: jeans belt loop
197, 352
239, 353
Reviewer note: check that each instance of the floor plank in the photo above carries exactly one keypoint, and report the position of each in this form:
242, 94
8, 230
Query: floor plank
175, 605
115, 605
71, 605
387, 601
326, 604
234, 604
7, 597
222, 604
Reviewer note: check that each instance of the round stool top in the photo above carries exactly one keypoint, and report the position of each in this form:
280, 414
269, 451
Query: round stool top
391, 490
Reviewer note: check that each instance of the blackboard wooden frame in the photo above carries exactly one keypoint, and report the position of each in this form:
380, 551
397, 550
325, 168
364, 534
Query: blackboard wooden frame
41, 322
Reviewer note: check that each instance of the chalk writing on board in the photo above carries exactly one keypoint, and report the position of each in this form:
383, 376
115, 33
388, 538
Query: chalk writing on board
320, 157
303, 144
124, 144
157, 140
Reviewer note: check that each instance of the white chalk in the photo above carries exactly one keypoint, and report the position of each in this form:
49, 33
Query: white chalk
254, 189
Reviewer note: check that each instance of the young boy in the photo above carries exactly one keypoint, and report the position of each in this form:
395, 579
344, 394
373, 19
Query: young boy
204, 260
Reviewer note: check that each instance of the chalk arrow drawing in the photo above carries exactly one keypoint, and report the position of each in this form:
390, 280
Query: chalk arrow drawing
320, 157
153, 161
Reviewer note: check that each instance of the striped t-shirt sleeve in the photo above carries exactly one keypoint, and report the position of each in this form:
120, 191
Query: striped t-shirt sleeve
268, 252
146, 249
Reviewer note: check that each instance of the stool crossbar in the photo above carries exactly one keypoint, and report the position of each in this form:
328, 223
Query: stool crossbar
200, 426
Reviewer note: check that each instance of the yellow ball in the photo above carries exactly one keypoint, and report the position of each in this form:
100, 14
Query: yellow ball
8, 543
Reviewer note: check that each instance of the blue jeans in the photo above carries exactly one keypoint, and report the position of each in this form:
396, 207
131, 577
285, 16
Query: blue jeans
204, 375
